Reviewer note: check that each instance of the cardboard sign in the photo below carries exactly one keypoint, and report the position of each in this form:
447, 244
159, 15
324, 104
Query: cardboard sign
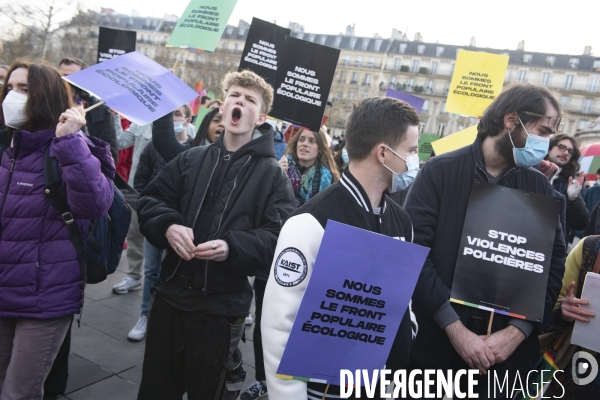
358, 293
505, 251
425, 145
202, 24
477, 80
114, 42
416, 102
202, 111
455, 141
265, 40
134, 85
304, 75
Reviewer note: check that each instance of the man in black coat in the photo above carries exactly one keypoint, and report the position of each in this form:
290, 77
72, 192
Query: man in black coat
218, 209
452, 336
99, 121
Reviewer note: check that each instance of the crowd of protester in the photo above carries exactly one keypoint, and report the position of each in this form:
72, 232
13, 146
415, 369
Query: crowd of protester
218, 205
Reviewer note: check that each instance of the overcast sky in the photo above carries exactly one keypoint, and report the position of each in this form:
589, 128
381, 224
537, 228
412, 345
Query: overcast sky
546, 26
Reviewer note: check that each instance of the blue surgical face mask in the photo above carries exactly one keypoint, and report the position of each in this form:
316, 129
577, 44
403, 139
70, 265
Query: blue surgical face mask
345, 156
178, 126
402, 181
536, 148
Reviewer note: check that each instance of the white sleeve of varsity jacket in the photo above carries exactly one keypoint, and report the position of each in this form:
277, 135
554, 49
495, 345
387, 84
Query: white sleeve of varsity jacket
298, 243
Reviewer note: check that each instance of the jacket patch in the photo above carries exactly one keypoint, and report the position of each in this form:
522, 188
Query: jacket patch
290, 267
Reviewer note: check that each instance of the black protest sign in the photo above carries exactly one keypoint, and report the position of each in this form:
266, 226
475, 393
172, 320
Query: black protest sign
304, 75
130, 194
263, 43
114, 42
505, 251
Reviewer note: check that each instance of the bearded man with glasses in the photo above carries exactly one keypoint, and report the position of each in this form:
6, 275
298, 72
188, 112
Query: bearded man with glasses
564, 152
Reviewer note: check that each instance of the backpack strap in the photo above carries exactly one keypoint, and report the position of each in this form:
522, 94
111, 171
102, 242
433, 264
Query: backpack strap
57, 196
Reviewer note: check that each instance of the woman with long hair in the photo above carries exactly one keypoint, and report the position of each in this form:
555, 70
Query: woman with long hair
41, 284
163, 134
309, 164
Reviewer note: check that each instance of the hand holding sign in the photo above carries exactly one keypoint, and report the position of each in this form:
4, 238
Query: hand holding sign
570, 307
70, 121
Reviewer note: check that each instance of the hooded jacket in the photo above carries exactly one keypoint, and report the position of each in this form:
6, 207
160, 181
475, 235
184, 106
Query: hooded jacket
40, 275
254, 199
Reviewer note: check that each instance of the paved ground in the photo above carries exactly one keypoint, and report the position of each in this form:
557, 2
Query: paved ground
103, 364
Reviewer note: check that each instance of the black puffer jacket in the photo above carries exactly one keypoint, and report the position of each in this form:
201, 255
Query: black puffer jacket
578, 216
149, 166
255, 198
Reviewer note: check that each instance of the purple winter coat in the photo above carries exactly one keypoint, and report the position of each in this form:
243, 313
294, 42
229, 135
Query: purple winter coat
39, 272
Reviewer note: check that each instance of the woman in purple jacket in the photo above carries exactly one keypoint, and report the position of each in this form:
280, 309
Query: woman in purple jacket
41, 286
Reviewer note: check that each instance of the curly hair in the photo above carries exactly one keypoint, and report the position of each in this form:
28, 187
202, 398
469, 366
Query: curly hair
248, 79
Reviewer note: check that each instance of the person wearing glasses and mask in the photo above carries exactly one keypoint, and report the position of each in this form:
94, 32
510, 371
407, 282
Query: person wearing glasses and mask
513, 136
564, 152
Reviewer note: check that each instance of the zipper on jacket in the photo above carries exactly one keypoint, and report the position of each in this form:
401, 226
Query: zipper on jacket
10, 175
221, 220
198, 212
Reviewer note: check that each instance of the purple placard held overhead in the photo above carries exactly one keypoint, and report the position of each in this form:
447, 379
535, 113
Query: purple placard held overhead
416, 102
358, 293
135, 86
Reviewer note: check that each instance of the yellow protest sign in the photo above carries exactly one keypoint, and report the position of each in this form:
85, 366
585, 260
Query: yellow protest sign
455, 141
477, 80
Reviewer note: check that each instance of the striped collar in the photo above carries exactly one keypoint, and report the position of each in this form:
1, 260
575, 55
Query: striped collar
356, 190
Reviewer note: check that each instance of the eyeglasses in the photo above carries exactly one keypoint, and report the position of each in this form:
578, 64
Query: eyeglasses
564, 148
560, 123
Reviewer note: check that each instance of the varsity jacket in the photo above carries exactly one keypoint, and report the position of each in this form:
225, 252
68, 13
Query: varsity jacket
344, 201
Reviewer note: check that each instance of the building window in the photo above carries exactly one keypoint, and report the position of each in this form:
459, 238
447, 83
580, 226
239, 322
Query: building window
421, 49
343, 77
593, 87
301, 35
587, 105
354, 77
429, 87
346, 59
564, 101
337, 42
597, 64
439, 51
371, 62
550, 61
229, 30
522, 75
352, 95
365, 44
443, 107
402, 48
410, 84
397, 64
236, 47
393, 80
225, 45
425, 105
441, 128
367, 81
434, 67
415, 67
352, 43
527, 58
323, 40
378, 44
573, 63
583, 124
545, 78
242, 31
569, 82
358, 61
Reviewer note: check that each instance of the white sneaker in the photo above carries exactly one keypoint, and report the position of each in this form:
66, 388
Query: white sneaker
138, 332
249, 320
127, 284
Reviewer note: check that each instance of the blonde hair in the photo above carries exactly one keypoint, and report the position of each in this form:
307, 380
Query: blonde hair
248, 79
325, 156
188, 110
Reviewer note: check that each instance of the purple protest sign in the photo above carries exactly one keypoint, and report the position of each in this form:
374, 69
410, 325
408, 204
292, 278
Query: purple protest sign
135, 86
357, 296
416, 102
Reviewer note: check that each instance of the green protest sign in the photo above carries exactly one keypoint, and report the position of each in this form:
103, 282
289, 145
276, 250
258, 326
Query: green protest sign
425, 148
202, 24
202, 111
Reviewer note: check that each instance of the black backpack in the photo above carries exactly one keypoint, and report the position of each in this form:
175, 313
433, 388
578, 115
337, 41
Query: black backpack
99, 254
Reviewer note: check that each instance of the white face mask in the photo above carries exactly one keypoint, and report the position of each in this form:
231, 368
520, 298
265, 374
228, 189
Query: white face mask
13, 109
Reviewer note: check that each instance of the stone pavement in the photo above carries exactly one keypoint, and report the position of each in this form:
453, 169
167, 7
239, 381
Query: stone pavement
103, 364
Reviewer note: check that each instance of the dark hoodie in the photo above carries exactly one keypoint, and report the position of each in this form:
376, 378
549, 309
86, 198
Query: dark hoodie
241, 197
